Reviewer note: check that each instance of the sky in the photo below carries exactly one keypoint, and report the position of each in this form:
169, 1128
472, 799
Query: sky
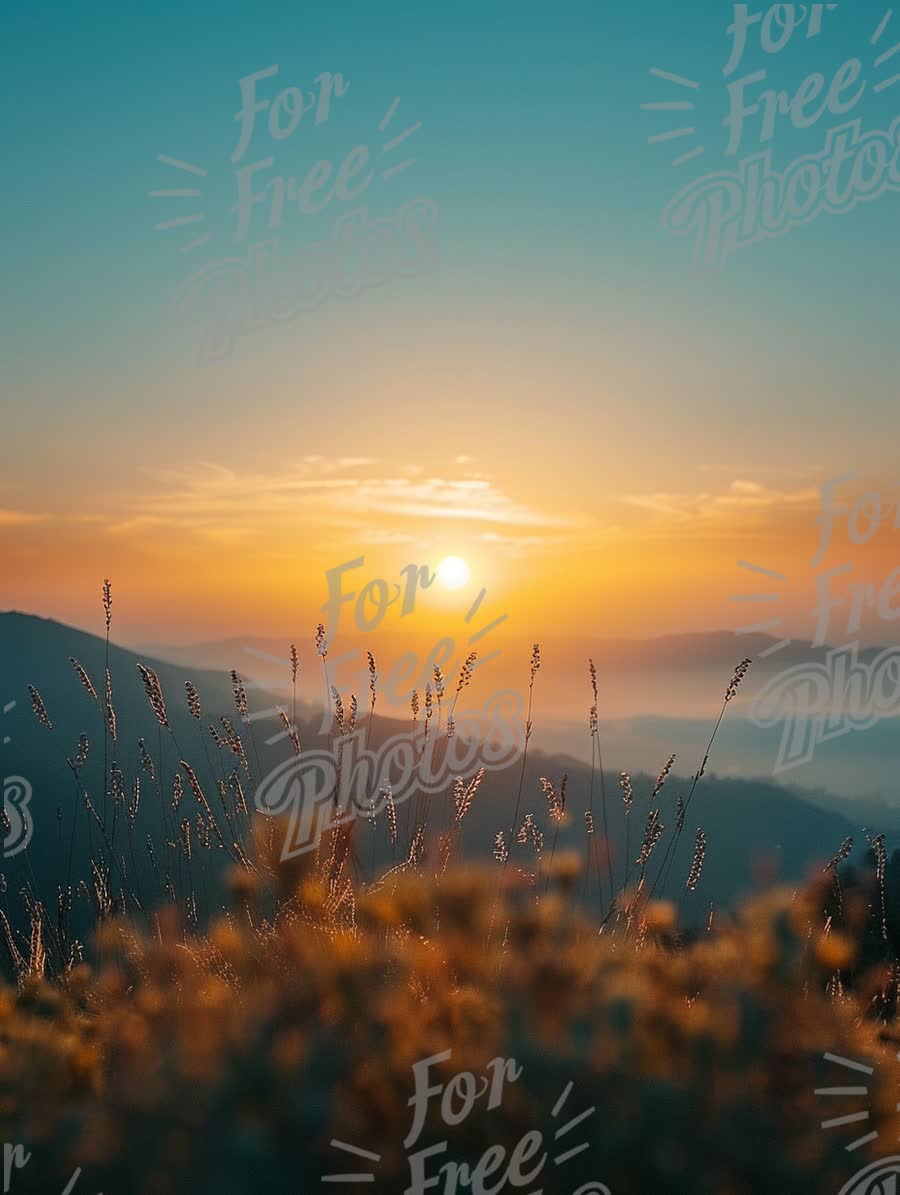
459, 325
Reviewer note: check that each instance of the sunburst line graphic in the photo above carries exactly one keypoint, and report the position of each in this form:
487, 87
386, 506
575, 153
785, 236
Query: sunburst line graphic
674, 106
474, 608
364, 1177
399, 168
850, 1064
692, 84
771, 624
398, 140
672, 135
579, 1149
274, 712
679, 79
197, 243
486, 630
559, 1159
482, 660
10, 705
389, 115
694, 153
668, 106
887, 55
758, 568
277, 711
413, 128
564, 1095
853, 1117
472, 611
182, 193
178, 222
576, 1120
885, 21
179, 165
861, 1141
563, 1129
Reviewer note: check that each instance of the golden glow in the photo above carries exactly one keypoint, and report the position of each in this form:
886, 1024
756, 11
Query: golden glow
453, 572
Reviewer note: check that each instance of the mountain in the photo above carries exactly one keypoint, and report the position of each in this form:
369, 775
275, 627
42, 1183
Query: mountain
754, 827
66, 835
698, 651
655, 696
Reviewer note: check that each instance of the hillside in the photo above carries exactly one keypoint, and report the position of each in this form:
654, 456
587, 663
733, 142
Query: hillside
755, 828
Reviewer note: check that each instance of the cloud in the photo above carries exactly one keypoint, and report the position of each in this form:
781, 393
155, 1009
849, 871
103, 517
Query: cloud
137, 524
524, 543
340, 463
19, 518
742, 496
473, 499
744, 507
211, 498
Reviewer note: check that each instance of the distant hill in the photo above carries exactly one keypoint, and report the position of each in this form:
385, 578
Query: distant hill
36, 651
656, 695
753, 826
695, 651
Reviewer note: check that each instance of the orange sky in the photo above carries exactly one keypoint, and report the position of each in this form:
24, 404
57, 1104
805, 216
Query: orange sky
208, 552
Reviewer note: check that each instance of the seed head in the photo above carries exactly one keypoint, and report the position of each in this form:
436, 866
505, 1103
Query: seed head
40, 710
739, 673
154, 694
697, 862
193, 700
321, 641
85, 679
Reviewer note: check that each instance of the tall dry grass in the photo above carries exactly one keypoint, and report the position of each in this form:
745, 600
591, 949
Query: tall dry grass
219, 1038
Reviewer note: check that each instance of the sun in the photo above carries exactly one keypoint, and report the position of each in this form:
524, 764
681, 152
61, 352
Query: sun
453, 572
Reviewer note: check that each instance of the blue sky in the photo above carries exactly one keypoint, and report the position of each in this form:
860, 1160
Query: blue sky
561, 312
532, 144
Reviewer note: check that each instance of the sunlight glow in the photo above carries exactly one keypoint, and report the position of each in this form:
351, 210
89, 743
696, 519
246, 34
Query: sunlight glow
453, 572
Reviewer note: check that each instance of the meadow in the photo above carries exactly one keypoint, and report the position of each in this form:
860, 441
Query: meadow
196, 1008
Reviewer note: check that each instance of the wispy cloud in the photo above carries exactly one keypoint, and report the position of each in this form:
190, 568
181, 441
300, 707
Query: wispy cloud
703, 507
211, 498
471, 498
19, 518
336, 464
512, 544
